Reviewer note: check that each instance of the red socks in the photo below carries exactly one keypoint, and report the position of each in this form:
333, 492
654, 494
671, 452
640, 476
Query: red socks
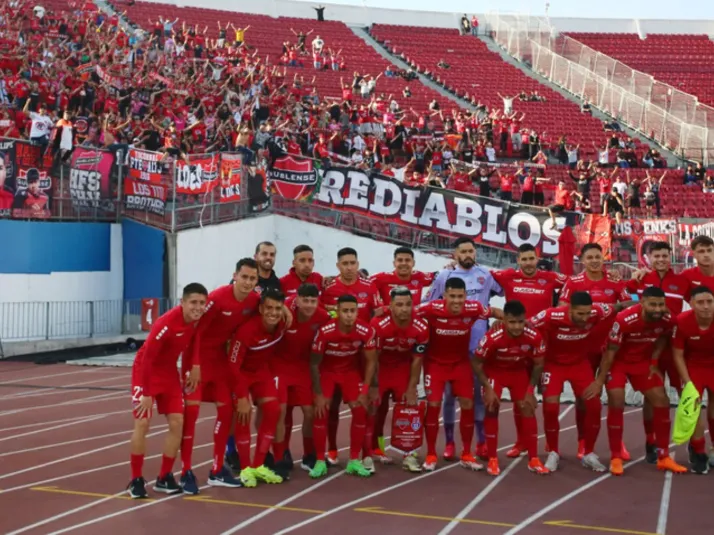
242, 437
357, 431
137, 466
649, 429
490, 426
190, 416
580, 420
288, 425
319, 436
615, 423
518, 420
308, 445
379, 421
431, 428
221, 432
278, 450
466, 426
333, 420
167, 465
663, 428
552, 425
529, 435
266, 432
699, 445
591, 422
369, 431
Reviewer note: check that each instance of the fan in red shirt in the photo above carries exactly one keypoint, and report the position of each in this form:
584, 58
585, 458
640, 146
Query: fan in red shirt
693, 343
291, 369
252, 349
404, 274
511, 356
637, 339
603, 289
154, 376
302, 272
335, 362
401, 343
369, 304
566, 330
227, 309
447, 361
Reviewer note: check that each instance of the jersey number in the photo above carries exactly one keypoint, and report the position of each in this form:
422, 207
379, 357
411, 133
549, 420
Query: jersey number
427, 380
136, 394
545, 378
276, 382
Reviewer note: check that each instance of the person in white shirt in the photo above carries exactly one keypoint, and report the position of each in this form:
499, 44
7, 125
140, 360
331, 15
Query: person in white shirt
317, 45
40, 127
507, 104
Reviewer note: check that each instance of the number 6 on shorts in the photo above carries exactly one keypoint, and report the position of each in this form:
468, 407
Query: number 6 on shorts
427, 380
545, 378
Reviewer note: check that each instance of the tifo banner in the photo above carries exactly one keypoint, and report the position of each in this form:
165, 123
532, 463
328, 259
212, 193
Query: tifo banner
594, 229
648, 227
144, 187
197, 176
488, 221
292, 178
231, 173
25, 182
89, 179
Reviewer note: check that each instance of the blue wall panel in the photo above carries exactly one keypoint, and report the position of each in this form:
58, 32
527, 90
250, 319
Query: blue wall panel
143, 260
39, 247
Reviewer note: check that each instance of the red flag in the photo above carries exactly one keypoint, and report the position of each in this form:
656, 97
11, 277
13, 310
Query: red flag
566, 251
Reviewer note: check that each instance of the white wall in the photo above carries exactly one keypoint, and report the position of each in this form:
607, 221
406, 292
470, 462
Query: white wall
209, 255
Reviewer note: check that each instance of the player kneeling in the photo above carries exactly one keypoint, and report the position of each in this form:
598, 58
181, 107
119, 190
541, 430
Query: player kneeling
502, 360
154, 376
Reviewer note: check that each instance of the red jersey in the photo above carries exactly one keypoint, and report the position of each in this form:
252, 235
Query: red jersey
674, 286
293, 355
450, 334
385, 282
290, 283
397, 346
536, 292
636, 337
605, 291
341, 351
365, 292
566, 343
697, 343
157, 359
253, 346
697, 278
501, 351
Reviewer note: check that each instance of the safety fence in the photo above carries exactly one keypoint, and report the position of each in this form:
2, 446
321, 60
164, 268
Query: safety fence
672, 118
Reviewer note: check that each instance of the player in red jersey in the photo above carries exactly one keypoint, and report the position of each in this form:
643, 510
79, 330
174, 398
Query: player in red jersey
693, 348
291, 368
302, 272
404, 275
335, 361
349, 282
566, 330
251, 351
227, 308
511, 356
637, 339
154, 376
676, 288
535, 289
703, 273
401, 343
603, 289
448, 361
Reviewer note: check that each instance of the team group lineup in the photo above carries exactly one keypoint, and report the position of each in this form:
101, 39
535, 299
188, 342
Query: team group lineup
267, 345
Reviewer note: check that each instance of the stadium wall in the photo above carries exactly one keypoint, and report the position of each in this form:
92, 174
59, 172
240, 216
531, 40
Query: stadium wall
144, 254
566, 17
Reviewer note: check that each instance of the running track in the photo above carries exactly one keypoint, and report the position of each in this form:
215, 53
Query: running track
64, 434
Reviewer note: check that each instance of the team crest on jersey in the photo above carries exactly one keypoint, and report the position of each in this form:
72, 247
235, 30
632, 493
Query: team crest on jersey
247, 311
356, 344
466, 320
658, 330
542, 282
481, 280
362, 295
609, 292
411, 340
525, 347
674, 287
415, 282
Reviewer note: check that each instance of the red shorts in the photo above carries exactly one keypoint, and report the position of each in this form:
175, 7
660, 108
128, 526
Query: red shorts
167, 395
703, 379
436, 376
579, 375
259, 385
597, 342
666, 365
293, 390
350, 383
214, 391
395, 381
637, 373
517, 382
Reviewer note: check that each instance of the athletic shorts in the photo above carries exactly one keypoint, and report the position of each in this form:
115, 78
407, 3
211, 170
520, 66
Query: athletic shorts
394, 381
517, 382
168, 395
259, 384
597, 340
214, 391
350, 383
579, 375
703, 379
294, 390
436, 376
637, 373
666, 365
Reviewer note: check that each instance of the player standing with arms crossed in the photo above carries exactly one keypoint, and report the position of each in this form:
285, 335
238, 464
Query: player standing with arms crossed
511, 356
335, 362
401, 343
637, 338
154, 376
480, 285
693, 349
447, 361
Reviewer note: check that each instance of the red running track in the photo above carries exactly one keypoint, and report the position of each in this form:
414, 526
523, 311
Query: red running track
64, 434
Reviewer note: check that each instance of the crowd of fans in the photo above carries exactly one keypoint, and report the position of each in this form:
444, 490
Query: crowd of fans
78, 78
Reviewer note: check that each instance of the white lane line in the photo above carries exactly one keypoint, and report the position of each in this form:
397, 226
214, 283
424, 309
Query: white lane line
92, 399
456, 521
27, 379
53, 391
664, 504
38, 424
88, 419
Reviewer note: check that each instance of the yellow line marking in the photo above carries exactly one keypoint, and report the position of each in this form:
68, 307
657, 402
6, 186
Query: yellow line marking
569, 524
382, 511
57, 490
249, 504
